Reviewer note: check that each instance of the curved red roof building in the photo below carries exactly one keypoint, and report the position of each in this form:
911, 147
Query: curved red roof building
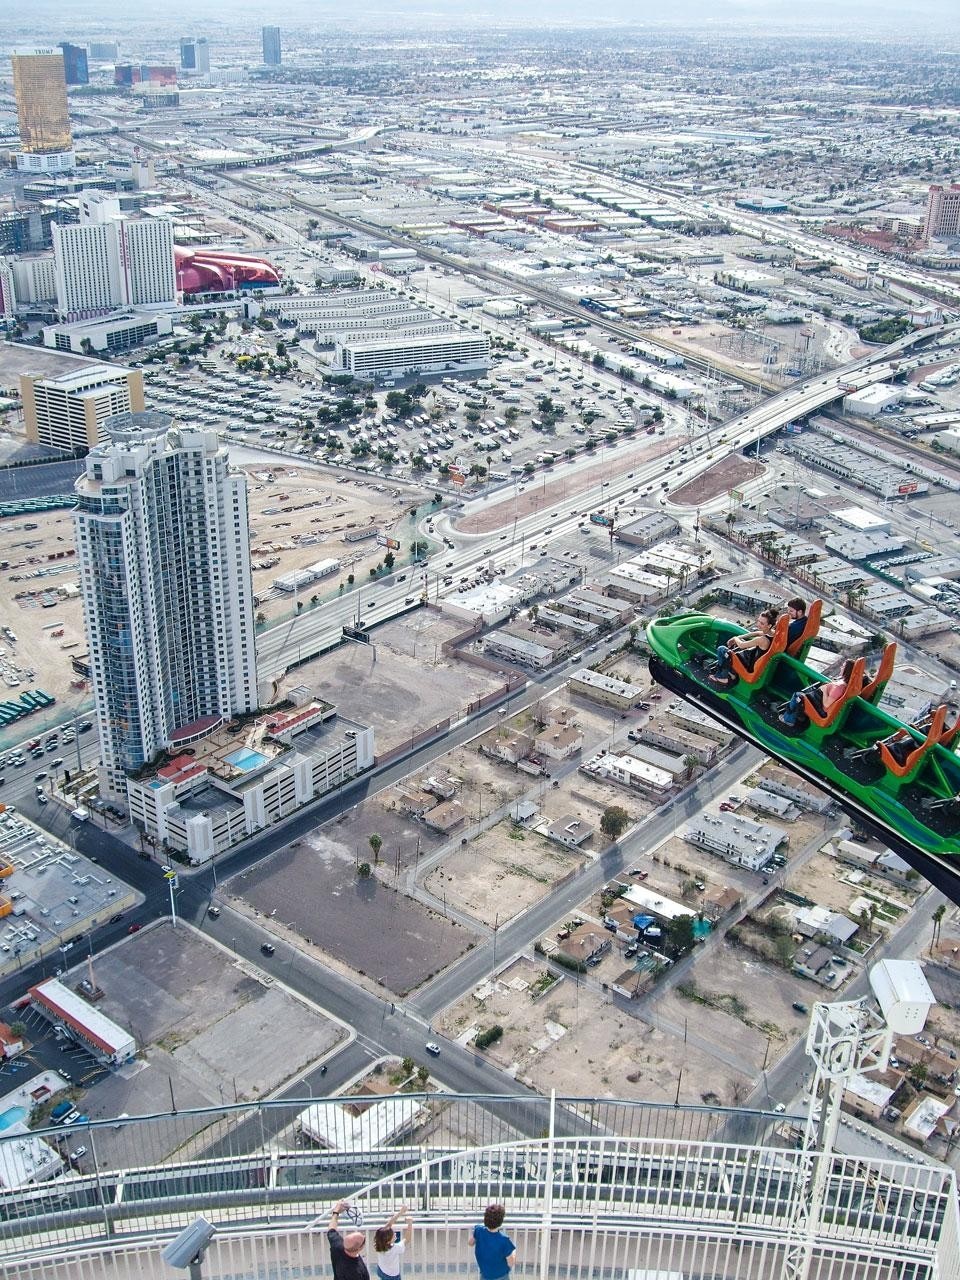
217, 270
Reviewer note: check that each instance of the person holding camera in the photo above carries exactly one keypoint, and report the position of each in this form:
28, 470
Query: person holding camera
389, 1244
346, 1250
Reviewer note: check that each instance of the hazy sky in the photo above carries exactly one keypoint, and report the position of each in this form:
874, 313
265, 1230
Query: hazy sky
857, 15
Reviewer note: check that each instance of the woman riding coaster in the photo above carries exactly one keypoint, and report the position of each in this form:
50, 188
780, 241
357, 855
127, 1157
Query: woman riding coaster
749, 647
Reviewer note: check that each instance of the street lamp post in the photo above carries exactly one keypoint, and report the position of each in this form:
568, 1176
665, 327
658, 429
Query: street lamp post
173, 880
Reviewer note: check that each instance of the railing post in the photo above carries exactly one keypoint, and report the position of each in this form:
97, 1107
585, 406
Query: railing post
548, 1192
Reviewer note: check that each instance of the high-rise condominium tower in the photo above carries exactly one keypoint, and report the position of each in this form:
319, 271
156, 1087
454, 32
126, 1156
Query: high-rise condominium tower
40, 90
164, 558
271, 46
75, 69
943, 212
195, 55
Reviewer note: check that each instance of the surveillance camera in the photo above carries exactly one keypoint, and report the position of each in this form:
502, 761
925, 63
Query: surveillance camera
189, 1244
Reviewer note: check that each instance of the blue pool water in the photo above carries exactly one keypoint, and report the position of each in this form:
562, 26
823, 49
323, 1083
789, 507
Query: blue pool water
12, 1115
244, 759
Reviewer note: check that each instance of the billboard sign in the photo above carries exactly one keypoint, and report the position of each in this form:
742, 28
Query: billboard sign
390, 543
909, 487
597, 517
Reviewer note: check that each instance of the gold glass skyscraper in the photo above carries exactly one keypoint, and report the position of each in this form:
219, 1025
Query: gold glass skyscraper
40, 88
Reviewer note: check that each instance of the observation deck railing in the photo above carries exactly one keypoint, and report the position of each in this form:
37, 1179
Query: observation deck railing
592, 1188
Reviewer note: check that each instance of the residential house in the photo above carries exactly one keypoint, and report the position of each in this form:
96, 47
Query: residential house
414, 801
569, 830
815, 962
558, 744
831, 927
511, 747
445, 817
588, 943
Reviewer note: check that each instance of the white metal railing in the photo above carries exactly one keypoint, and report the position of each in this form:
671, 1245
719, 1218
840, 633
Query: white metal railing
570, 1250
578, 1201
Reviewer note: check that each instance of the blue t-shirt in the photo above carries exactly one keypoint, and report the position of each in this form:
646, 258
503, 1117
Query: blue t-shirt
795, 628
492, 1249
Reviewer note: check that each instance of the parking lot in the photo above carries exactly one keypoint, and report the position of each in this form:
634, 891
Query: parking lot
209, 1029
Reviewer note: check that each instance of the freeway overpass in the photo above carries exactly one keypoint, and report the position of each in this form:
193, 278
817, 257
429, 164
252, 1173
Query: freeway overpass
810, 396
315, 630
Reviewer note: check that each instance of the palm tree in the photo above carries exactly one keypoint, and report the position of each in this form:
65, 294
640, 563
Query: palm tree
937, 918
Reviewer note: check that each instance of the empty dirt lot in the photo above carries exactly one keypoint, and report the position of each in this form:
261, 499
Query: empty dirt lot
401, 683
575, 1039
313, 894
501, 873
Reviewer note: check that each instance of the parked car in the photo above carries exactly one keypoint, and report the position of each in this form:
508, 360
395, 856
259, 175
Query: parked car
800, 1006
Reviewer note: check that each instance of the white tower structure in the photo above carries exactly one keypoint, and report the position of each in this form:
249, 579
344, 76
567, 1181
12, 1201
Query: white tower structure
163, 546
109, 260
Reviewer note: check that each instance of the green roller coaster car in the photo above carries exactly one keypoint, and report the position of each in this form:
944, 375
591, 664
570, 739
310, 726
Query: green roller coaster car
898, 782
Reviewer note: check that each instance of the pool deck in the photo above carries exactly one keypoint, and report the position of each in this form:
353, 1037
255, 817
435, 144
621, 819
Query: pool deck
34, 1090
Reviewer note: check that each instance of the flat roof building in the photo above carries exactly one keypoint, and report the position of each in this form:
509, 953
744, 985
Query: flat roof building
342, 1128
386, 358
232, 786
107, 1042
607, 689
119, 333
68, 411
737, 840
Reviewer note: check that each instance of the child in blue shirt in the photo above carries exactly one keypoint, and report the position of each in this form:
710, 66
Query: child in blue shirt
493, 1250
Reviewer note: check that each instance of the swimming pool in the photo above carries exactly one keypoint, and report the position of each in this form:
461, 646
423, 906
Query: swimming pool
12, 1115
245, 759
